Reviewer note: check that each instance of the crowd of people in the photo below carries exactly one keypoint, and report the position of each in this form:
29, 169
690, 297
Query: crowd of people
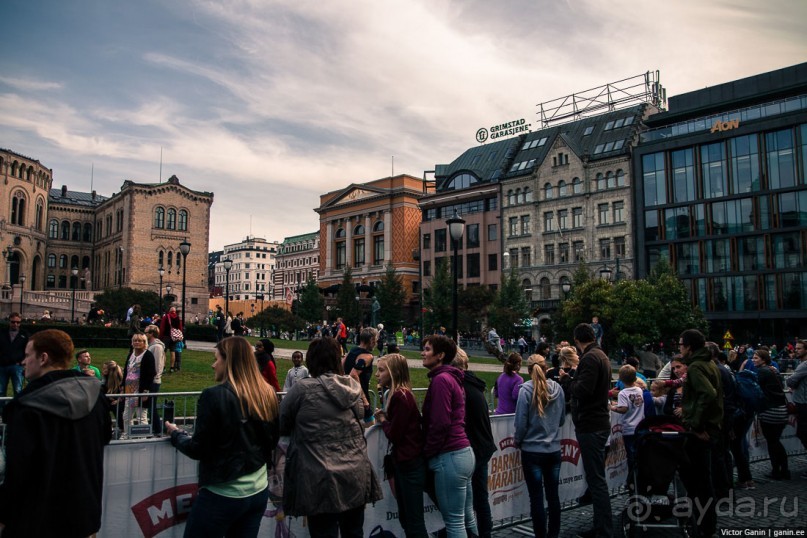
442, 449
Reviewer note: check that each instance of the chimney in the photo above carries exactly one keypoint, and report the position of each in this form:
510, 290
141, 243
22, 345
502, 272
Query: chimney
64, 191
93, 196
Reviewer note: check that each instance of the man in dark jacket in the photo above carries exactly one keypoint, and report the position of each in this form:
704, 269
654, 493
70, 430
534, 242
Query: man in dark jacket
12, 351
702, 407
56, 430
592, 422
477, 428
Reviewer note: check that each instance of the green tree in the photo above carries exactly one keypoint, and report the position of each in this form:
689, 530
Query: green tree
346, 299
589, 297
437, 299
311, 305
278, 319
391, 296
474, 304
675, 311
116, 301
509, 307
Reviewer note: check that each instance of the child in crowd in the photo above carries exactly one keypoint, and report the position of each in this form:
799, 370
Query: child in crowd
297, 372
630, 404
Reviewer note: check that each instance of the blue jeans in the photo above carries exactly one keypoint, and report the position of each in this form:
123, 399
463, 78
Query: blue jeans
452, 486
215, 516
592, 451
541, 473
479, 480
11, 372
410, 477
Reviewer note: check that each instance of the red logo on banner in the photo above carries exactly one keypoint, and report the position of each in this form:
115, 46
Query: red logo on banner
164, 509
569, 451
507, 442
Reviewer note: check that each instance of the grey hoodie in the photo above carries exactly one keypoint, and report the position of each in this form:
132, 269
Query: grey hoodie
535, 433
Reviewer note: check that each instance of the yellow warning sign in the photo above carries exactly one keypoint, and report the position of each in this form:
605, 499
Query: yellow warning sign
727, 345
728, 336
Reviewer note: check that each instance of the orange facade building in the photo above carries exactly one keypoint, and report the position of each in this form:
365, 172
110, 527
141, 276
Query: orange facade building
369, 226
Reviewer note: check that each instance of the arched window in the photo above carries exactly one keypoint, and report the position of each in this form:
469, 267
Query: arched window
358, 230
562, 189
526, 285
546, 289
65, 230
340, 233
87, 237
511, 197
527, 195
85, 262
548, 191
179, 260
63, 261
159, 217
600, 182
76, 232
160, 259
170, 259
40, 214
14, 166
53, 229
518, 196
620, 178
51, 261
172, 219
610, 180
73, 261
183, 220
577, 185
377, 227
18, 209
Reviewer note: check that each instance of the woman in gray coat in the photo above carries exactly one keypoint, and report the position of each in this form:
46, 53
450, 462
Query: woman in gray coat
328, 476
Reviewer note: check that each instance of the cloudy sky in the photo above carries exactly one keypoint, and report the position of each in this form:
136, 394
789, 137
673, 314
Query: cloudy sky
270, 103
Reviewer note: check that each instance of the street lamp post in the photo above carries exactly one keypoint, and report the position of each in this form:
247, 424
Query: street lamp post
74, 271
184, 248
260, 297
456, 228
168, 289
22, 290
228, 264
161, 272
566, 287
606, 273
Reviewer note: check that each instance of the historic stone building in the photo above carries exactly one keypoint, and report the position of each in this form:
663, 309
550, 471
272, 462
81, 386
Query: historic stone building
356, 230
566, 198
296, 263
24, 188
115, 241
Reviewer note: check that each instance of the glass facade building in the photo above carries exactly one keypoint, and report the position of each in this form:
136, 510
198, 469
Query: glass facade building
721, 193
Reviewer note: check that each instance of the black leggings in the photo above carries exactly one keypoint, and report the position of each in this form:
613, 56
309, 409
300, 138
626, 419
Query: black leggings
776, 451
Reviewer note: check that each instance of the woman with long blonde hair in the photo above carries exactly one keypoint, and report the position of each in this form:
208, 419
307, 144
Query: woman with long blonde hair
540, 412
401, 422
235, 433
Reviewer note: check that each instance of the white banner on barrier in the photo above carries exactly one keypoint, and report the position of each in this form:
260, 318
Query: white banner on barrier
150, 487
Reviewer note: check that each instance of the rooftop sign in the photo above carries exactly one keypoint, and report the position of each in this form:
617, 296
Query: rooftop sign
504, 129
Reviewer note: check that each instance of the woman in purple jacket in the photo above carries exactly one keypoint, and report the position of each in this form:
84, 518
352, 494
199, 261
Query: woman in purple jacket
508, 385
447, 449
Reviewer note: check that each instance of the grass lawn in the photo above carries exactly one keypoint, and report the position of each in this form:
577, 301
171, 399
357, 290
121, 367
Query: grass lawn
197, 372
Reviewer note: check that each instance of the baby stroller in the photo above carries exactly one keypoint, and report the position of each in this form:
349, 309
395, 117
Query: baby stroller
659, 454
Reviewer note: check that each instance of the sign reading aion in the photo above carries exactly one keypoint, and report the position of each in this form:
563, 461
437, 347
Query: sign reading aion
503, 129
